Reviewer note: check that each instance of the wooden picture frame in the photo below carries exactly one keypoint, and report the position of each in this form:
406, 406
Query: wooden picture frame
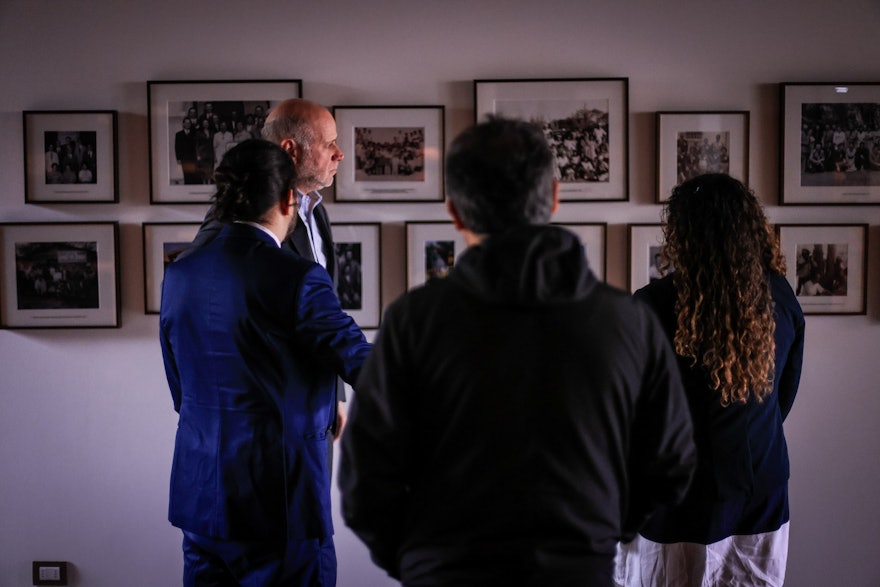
59, 275
162, 242
359, 270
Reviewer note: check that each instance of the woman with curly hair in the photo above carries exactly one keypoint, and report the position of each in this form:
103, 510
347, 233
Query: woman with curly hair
738, 331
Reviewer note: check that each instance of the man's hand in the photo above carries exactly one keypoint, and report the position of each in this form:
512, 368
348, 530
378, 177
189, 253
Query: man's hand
341, 417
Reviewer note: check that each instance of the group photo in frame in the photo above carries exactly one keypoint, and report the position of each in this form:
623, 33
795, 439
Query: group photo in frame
59, 275
593, 236
163, 243
826, 265
358, 249
70, 156
392, 153
645, 243
193, 123
585, 121
830, 143
432, 248
694, 143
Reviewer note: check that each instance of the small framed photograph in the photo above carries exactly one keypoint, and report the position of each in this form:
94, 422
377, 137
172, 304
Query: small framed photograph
163, 242
70, 157
593, 237
359, 270
431, 251
693, 143
586, 123
826, 266
392, 153
193, 124
59, 275
830, 143
645, 245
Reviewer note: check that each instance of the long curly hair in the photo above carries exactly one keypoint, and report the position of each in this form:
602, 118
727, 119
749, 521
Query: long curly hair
721, 248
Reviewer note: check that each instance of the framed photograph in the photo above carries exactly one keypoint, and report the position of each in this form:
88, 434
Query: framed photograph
393, 153
163, 242
830, 143
593, 237
59, 275
431, 251
193, 124
585, 121
826, 266
645, 244
70, 157
359, 270
693, 143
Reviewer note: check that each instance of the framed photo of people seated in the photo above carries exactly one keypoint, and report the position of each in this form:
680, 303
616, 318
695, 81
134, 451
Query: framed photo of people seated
193, 123
694, 143
432, 247
163, 243
392, 153
593, 236
70, 157
359, 270
827, 266
830, 143
59, 275
586, 123
645, 255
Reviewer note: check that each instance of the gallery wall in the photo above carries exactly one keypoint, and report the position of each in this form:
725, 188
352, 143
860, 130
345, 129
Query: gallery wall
86, 422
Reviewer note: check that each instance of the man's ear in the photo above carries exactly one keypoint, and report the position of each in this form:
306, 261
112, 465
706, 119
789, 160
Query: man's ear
291, 148
456, 219
288, 206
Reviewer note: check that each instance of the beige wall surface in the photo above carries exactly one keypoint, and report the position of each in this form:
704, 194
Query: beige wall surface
86, 423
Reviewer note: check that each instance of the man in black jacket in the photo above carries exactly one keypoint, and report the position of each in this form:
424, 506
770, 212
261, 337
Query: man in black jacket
519, 417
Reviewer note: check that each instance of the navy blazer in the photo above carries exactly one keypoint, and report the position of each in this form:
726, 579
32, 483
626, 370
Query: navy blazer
253, 338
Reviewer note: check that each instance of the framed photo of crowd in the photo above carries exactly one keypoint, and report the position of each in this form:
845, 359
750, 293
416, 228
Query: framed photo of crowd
694, 143
59, 275
70, 157
827, 266
359, 270
432, 248
645, 247
193, 123
163, 242
830, 143
392, 153
585, 122
593, 236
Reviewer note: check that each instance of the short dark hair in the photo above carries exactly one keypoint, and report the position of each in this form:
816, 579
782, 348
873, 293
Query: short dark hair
499, 176
254, 176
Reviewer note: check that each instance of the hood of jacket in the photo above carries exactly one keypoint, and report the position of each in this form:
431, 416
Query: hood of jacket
529, 265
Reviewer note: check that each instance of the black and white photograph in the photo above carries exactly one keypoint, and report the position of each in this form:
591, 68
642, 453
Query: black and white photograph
358, 270
826, 266
193, 123
584, 123
432, 248
830, 143
70, 157
59, 275
645, 254
439, 258
695, 143
163, 242
392, 153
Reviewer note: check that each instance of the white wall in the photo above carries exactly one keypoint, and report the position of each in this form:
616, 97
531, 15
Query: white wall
86, 424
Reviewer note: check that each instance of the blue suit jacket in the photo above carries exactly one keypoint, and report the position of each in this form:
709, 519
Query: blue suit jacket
253, 338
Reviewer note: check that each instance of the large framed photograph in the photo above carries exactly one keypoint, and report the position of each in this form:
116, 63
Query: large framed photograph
359, 270
585, 121
70, 157
693, 143
826, 266
393, 153
432, 247
192, 125
163, 242
593, 237
59, 275
830, 143
645, 254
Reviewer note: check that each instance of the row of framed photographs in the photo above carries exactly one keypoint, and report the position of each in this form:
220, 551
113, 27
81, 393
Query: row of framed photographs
829, 141
66, 275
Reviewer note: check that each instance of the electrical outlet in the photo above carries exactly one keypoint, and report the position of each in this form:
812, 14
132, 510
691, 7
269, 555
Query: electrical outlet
50, 573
